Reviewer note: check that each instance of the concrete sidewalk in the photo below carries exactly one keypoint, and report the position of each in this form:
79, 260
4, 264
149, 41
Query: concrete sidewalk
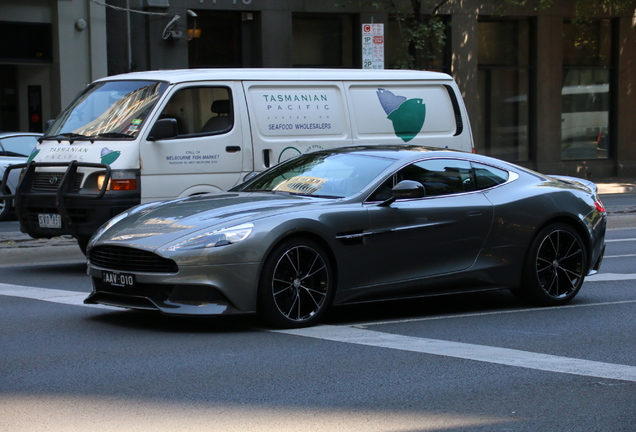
614, 186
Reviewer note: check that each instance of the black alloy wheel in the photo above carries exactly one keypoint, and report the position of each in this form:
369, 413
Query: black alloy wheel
555, 267
296, 285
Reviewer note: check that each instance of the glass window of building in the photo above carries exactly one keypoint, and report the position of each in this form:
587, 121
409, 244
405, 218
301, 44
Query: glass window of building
503, 77
585, 96
322, 40
217, 41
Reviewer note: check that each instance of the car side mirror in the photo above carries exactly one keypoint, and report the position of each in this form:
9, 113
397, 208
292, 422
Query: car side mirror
163, 129
250, 176
406, 189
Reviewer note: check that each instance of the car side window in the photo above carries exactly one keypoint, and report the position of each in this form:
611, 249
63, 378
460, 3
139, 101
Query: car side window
487, 176
19, 146
201, 110
438, 176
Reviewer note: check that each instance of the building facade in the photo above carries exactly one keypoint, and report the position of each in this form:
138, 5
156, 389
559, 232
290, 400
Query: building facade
540, 91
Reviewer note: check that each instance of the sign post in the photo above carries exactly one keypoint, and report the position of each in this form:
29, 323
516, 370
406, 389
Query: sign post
372, 46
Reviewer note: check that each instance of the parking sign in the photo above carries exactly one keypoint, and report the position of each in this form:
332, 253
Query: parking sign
372, 46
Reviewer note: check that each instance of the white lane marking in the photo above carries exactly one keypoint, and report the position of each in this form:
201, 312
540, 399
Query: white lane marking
620, 240
46, 294
488, 354
360, 336
499, 312
608, 277
619, 256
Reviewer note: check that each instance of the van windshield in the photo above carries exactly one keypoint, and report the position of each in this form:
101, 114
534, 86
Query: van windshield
108, 110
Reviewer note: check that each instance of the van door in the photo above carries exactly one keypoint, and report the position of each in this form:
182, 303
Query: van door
441, 233
207, 153
291, 118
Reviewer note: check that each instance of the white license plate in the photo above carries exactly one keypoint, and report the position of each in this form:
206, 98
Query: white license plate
50, 220
118, 279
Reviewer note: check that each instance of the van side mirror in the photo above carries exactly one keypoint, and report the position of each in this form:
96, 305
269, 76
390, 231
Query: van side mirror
48, 124
406, 189
163, 129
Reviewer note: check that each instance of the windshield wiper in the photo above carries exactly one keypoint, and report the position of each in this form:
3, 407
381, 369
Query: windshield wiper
114, 135
70, 136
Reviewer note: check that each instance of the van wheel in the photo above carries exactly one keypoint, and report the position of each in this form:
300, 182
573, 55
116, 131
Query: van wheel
555, 267
296, 284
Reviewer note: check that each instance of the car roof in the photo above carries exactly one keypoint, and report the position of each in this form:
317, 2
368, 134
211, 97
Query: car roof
12, 134
396, 151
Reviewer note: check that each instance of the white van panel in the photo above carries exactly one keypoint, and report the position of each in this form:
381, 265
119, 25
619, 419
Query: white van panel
408, 112
309, 110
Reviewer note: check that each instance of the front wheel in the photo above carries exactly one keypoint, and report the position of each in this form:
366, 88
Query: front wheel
555, 267
296, 284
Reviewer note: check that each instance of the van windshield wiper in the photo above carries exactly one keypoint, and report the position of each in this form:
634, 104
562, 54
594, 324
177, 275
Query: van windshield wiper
70, 136
114, 135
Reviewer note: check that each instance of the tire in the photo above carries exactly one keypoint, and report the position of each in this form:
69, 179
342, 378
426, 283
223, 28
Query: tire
6, 206
555, 267
296, 284
82, 242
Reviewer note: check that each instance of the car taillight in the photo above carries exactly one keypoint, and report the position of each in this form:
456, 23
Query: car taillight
599, 205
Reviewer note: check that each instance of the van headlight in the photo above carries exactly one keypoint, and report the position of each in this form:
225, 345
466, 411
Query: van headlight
120, 180
216, 238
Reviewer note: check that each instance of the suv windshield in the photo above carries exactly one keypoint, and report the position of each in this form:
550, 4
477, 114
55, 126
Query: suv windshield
112, 109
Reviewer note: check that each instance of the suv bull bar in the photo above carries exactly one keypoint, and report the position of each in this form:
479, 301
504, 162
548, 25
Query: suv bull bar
64, 192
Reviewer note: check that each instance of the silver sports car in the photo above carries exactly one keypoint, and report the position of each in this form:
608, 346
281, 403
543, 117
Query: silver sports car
353, 225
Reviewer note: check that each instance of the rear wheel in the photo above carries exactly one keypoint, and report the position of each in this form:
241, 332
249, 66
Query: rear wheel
296, 284
555, 266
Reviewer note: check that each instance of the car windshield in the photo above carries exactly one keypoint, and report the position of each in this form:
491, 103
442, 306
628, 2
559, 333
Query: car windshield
323, 174
112, 109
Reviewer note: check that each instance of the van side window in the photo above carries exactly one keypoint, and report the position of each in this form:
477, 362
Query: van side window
487, 176
201, 110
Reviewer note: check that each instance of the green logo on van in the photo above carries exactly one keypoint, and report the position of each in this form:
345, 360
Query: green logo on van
407, 116
109, 156
33, 154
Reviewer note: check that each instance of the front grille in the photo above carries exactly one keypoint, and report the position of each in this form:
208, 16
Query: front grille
127, 259
49, 181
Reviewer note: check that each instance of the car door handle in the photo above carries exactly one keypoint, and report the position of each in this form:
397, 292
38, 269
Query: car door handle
474, 213
232, 149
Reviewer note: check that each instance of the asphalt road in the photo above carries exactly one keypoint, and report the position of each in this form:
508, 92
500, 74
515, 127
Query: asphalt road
480, 362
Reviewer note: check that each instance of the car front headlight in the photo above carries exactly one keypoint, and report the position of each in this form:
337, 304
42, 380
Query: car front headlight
222, 237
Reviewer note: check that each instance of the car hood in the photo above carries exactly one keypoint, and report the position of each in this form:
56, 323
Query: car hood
154, 225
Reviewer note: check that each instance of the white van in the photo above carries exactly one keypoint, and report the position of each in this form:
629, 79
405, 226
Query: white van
147, 136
